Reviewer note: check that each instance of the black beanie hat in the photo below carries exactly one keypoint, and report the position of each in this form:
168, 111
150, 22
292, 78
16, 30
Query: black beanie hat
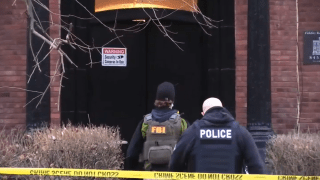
165, 90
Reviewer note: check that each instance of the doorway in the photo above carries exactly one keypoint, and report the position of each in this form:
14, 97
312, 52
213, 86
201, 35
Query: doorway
121, 96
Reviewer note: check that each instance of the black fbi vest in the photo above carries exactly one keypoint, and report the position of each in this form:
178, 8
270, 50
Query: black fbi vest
216, 149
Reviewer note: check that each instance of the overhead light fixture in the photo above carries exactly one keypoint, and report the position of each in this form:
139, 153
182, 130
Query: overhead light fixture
107, 5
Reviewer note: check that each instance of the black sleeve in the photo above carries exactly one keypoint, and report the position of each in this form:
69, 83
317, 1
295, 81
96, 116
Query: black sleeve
182, 150
188, 124
251, 154
134, 149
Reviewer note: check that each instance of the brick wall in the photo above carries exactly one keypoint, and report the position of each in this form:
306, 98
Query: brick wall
54, 61
283, 40
13, 42
13, 38
309, 18
284, 85
241, 30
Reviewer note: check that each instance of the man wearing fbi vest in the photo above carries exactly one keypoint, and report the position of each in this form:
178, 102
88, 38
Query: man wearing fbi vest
216, 144
157, 134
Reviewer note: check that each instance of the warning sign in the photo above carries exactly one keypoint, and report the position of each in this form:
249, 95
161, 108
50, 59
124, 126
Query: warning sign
114, 57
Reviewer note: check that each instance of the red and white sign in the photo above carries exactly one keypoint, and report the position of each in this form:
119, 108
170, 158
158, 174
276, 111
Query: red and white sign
114, 57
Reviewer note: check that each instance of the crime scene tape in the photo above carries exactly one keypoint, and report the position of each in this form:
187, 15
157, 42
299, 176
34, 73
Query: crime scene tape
145, 174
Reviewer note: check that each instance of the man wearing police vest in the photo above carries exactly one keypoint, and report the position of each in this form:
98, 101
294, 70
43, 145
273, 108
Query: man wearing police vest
216, 144
157, 134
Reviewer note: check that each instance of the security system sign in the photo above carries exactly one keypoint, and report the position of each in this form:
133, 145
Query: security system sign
114, 57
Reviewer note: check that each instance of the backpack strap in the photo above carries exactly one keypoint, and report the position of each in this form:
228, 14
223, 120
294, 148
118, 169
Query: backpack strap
147, 118
174, 116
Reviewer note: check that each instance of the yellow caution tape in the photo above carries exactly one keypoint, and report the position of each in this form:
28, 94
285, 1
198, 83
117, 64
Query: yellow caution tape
145, 174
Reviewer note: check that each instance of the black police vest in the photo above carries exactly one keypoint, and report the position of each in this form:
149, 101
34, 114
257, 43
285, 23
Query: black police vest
216, 149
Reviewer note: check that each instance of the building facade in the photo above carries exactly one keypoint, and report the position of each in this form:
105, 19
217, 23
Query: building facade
294, 90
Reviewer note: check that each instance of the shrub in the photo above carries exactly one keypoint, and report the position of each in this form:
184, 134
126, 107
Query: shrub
67, 147
294, 154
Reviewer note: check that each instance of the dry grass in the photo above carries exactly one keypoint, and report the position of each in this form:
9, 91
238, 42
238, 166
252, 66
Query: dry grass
294, 154
68, 147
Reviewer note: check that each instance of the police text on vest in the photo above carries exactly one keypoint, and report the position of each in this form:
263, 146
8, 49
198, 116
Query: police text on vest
215, 133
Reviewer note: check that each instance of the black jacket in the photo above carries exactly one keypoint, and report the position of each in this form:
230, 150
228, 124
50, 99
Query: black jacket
137, 140
216, 116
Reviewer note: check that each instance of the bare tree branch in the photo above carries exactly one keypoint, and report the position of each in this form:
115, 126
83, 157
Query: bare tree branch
20, 89
77, 43
52, 79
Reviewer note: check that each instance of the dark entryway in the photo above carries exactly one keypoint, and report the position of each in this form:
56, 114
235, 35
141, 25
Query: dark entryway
120, 96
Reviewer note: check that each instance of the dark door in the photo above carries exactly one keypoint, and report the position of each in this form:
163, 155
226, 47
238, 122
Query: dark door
120, 96
182, 67
117, 95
